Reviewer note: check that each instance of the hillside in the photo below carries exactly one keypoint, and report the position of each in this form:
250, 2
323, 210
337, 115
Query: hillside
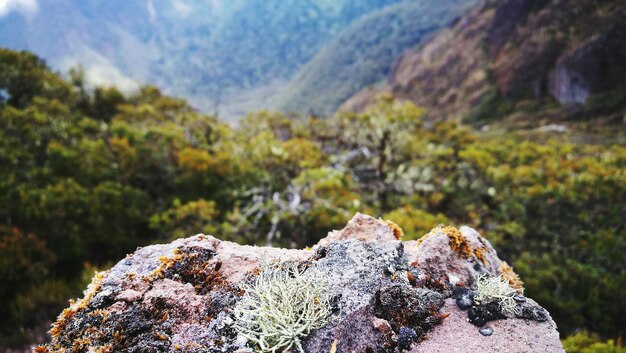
530, 61
213, 53
364, 54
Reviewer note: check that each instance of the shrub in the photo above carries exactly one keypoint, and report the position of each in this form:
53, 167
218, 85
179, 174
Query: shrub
584, 342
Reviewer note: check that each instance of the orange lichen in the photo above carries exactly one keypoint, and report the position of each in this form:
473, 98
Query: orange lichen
75, 305
104, 349
411, 278
479, 253
458, 242
397, 231
513, 278
166, 263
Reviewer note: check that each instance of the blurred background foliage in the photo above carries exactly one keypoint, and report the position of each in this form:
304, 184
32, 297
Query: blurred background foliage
87, 175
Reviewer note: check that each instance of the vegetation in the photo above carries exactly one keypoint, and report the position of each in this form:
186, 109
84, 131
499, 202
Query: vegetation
583, 342
89, 174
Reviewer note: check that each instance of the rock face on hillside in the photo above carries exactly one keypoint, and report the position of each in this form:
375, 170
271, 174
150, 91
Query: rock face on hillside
385, 295
518, 51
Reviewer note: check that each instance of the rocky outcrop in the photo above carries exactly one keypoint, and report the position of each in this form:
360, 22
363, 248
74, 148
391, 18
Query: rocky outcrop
597, 65
383, 295
515, 51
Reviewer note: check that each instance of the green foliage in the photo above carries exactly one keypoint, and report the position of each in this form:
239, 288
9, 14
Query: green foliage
24, 76
584, 342
492, 106
184, 220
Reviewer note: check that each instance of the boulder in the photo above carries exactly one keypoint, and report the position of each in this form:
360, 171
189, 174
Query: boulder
381, 295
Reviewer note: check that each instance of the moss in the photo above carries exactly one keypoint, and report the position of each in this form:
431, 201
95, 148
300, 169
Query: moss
166, 263
479, 253
460, 244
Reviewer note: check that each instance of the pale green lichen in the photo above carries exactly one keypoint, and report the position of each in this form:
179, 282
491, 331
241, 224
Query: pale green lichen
498, 289
282, 307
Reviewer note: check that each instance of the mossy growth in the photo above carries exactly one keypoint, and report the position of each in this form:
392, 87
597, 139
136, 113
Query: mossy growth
281, 307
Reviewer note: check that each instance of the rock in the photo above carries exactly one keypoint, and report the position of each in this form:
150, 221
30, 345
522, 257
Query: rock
406, 336
385, 295
596, 65
456, 334
464, 297
446, 252
486, 331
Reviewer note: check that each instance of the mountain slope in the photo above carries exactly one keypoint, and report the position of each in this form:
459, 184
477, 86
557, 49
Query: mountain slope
210, 52
545, 59
363, 54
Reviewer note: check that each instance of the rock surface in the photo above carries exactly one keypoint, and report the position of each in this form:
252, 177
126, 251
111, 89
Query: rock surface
387, 296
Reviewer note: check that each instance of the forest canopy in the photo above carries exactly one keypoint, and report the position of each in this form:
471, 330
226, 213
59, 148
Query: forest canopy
89, 174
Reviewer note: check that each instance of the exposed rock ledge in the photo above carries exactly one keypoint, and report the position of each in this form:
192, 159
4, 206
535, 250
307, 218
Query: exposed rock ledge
387, 296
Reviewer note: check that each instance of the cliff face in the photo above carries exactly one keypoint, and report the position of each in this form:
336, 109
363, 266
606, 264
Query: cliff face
360, 289
501, 53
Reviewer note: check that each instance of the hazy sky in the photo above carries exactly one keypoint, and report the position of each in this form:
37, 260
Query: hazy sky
24, 6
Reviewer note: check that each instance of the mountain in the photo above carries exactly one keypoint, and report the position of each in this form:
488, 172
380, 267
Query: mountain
364, 54
214, 53
530, 60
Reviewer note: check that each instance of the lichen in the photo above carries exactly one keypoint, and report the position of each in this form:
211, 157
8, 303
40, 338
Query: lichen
458, 242
397, 231
495, 289
76, 305
281, 307
166, 262
513, 278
